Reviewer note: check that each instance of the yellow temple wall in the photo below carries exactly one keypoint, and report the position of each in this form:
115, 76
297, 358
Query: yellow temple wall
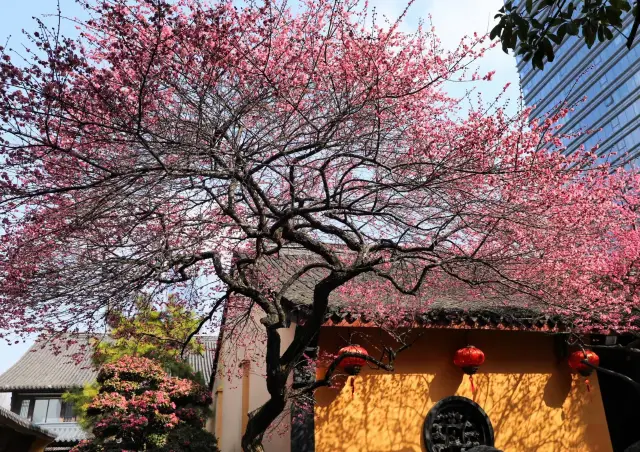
534, 402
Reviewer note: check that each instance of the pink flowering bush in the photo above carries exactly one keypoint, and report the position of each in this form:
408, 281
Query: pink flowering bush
140, 407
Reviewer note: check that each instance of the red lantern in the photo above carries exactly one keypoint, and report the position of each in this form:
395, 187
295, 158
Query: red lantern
576, 364
469, 359
352, 364
576, 358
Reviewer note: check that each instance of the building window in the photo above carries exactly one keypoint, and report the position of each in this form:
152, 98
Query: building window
40, 409
603, 80
615, 122
24, 408
456, 423
46, 410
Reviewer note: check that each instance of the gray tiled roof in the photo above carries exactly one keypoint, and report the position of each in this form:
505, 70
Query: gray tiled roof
66, 432
203, 363
281, 267
21, 424
51, 364
57, 365
455, 308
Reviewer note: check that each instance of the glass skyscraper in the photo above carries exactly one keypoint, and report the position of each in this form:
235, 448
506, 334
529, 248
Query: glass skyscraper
608, 75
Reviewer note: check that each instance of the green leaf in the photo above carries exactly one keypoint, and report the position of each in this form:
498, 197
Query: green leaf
548, 48
514, 41
557, 40
495, 31
572, 28
613, 16
608, 33
601, 33
529, 6
523, 27
589, 34
537, 60
506, 38
562, 32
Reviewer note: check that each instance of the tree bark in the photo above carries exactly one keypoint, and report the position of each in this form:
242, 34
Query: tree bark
259, 422
279, 368
261, 418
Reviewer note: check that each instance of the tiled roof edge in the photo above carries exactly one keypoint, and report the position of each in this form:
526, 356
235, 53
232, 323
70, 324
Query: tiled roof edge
21, 424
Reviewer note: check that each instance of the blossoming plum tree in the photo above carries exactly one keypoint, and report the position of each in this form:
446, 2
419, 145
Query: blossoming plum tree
180, 145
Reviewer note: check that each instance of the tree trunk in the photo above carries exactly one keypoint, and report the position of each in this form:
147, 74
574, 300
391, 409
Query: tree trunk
259, 422
261, 419
279, 367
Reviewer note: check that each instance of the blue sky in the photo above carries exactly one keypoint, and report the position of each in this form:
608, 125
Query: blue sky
17, 15
451, 24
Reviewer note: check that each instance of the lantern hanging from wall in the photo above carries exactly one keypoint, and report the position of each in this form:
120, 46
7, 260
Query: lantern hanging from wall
352, 364
469, 359
576, 364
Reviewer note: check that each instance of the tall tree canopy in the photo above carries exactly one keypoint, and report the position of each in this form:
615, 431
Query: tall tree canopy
158, 333
179, 145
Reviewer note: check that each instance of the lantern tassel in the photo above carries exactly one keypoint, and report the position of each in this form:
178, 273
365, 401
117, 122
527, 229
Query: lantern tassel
588, 385
473, 388
353, 387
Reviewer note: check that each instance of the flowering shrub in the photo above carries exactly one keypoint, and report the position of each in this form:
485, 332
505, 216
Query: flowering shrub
140, 407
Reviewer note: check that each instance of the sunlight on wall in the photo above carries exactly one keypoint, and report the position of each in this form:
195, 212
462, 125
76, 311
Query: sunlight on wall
532, 399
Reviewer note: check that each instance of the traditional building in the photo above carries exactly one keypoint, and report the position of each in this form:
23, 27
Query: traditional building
52, 367
524, 397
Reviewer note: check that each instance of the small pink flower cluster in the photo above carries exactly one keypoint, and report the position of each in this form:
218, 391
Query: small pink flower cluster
152, 400
107, 401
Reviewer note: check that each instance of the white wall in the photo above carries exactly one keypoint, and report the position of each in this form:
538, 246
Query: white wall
5, 400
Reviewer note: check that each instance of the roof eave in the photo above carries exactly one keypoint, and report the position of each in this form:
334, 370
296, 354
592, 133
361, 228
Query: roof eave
23, 426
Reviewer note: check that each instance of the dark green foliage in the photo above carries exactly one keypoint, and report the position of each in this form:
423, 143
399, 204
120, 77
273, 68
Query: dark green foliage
533, 30
188, 438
